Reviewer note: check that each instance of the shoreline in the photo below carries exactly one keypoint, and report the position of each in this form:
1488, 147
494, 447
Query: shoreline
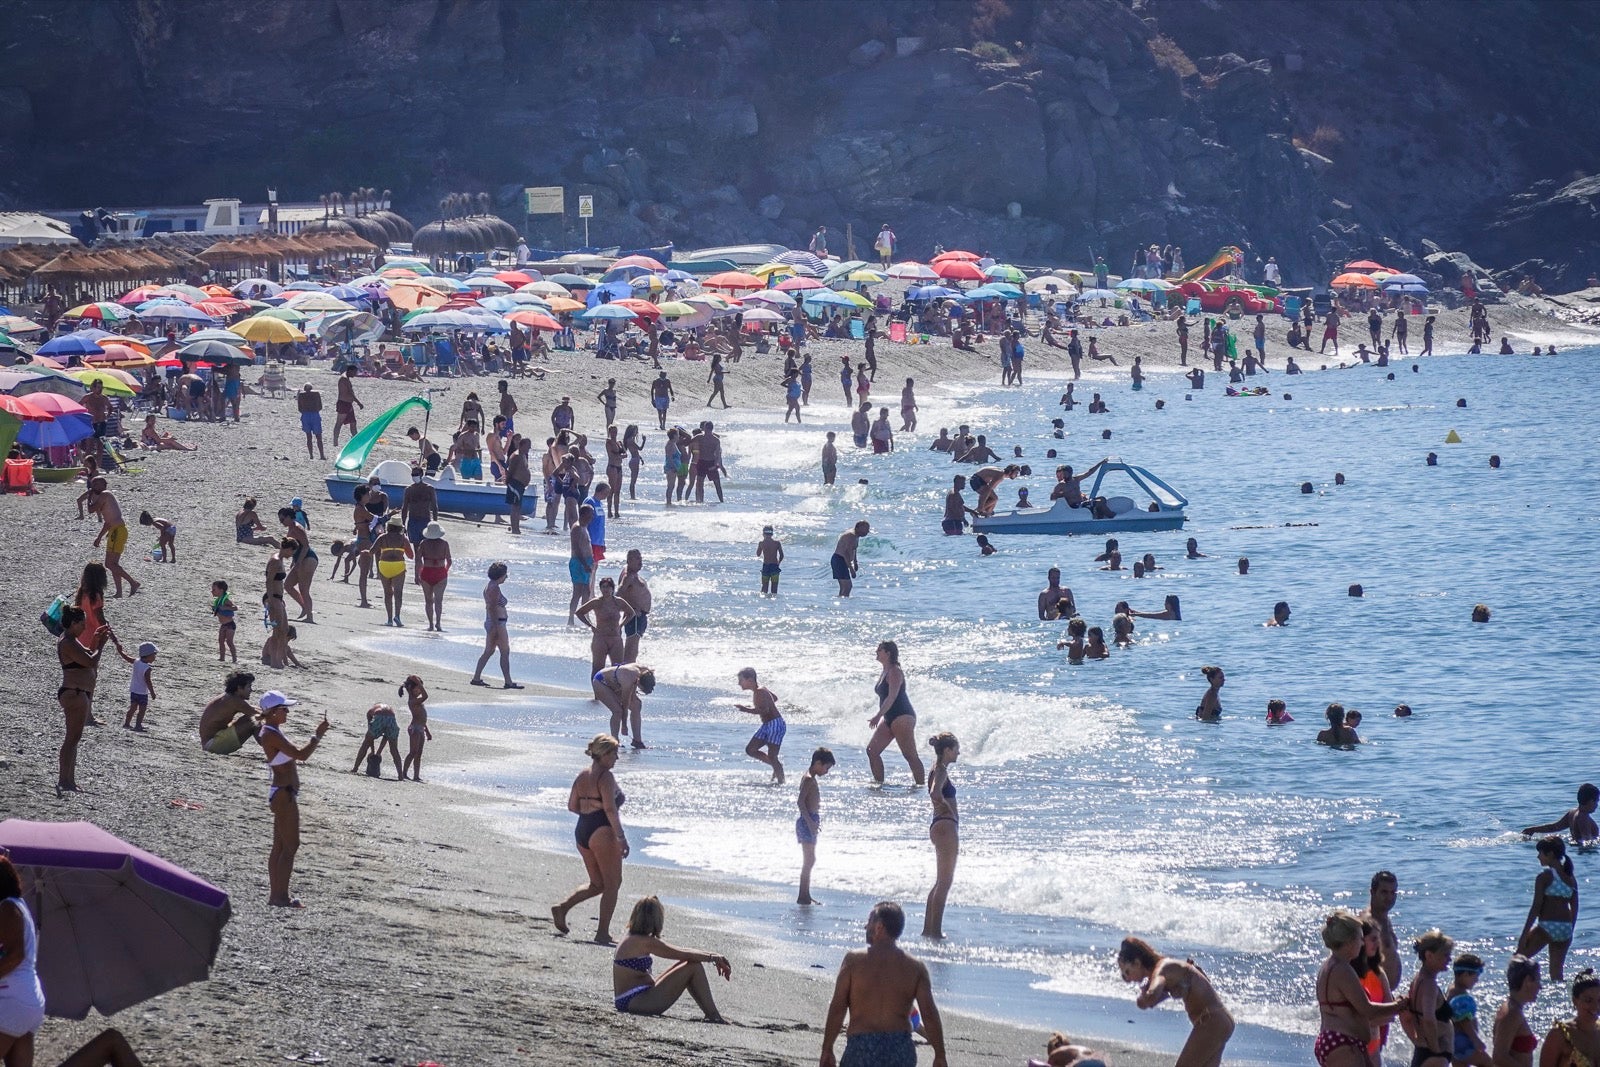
426, 934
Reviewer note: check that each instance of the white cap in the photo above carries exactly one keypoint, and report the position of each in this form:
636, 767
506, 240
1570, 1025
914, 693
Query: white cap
274, 699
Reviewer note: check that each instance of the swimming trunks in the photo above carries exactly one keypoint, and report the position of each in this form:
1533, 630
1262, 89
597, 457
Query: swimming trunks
117, 539
636, 626
579, 572
770, 570
225, 740
230, 388
415, 527
771, 732
841, 569
382, 727
660, 403
472, 468
311, 421
860, 440
879, 446
893, 1049
391, 568
803, 832
953, 527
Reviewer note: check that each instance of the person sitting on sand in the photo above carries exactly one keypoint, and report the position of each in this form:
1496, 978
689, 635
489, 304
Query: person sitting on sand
1060, 1051
637, 992
150, 437
248, 527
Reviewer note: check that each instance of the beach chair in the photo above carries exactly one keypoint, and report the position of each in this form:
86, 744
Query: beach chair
897, 332
274, 382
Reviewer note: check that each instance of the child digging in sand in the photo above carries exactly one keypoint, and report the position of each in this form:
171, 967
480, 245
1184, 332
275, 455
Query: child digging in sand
809, 824
382, 729
416, 695
166, 536
223, 608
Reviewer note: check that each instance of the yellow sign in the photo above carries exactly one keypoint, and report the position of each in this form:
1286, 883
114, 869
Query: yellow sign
545, 199
586, 207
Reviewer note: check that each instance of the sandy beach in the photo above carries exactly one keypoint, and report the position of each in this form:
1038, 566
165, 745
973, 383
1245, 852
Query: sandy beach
426, 934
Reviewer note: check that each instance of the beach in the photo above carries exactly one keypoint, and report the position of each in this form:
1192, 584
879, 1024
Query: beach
426, 934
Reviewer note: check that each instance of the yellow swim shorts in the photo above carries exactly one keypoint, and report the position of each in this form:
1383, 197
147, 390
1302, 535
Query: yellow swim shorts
117, 539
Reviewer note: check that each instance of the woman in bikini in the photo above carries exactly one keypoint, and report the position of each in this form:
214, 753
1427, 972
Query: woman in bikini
1210, 709
80, 665
615, 454
433, 573
277, 612
602, 844
495, 636
248, 528
636, 992
1576, 1042
417, 732
1349, 1015
1554, 911
90, 598
1162, 979
1426, 1018
150, 437
1336, 735
390, 551
896, 719
633, 443
283, 794
302, 565
943, 831
1514, 1040
617, 688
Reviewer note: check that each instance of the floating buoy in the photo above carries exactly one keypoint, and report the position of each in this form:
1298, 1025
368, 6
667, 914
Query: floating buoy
1452, 438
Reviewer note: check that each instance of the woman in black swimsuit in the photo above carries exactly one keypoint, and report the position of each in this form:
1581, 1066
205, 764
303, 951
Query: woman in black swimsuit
943, 830
277, 612
1426, 1019
595, 799
79, 668
896, 719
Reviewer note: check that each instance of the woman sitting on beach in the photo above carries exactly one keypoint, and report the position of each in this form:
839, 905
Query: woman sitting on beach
637, 993
1161, 979
1337, 735
1060, 1051
1575, 1042
943, 831
595, 800
151, 437
283, 795
248, 527
1426, 1015
1210, 709
1349, 1015
1554, 911
896, 719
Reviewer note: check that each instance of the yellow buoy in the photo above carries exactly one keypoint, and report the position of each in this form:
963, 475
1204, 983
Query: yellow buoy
1452, 438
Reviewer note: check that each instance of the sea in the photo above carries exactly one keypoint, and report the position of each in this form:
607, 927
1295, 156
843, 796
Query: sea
1093, 804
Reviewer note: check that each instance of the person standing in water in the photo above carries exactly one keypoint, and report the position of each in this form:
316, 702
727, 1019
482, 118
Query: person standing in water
844, 564
764, 705
896, 719
495, 636
809, 823
605, 616
1382, 893
770, 550
943, 831
877, 989
634, 590
1579, 821
1210, 709
1160, 979
1554, 912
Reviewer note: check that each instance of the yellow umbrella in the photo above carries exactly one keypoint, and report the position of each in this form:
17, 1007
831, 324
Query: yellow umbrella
677, 309
868, 277
769, 269
272, 331
855, 298
113, 385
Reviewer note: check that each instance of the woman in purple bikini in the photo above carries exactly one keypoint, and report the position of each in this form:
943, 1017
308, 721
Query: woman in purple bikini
637, 992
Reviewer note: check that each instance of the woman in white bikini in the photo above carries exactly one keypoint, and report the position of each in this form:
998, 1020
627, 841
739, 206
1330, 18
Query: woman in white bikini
283, 760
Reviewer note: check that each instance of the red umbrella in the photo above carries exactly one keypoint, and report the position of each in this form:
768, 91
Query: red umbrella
797, 284
732, 279
957, 270
172, 361
1367, 264
146, 292
639, 261
538, 320
56, 404
516, 278
956, 256
642, 308
24, 408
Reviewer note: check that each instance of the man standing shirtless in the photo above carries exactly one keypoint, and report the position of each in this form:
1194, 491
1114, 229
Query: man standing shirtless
844, 563
344, 407
876, 988
708, 464
636, 592
113, 531
309, 403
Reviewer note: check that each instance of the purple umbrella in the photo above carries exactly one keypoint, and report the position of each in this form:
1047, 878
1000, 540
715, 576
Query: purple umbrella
117, 925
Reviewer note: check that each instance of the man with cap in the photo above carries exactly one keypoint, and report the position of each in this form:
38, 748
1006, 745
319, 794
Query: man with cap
561, 415
229, 721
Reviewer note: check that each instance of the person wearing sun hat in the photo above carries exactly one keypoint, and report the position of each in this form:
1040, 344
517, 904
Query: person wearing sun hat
433, 570
283, 760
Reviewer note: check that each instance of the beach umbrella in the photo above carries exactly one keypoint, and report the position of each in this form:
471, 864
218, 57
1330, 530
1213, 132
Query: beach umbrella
828, 298
146, 293
215, 290
546, 288
639, 261
69, 345
770, 296
18, 324
434, 320
912, 271
488, 285
1366, 264
866, 276
37, 381
284, 314
251, 285
348, 292
1004, 272
797, 285
931, 292
316, 302
572, 281
762, 315
46, 362
855, 299
1409, 288
520, 300
957, 270
214, 334
351, 326
408, 295
110, 384
101, 312
518, 278
127, 342
767, 270
23, 408
1044, 284
120, 356
1138, 285
840, 270
643, 308
181, 312
626, 272
401, 273
997, 290
61, 431
561, 304
221, 309
1097, 294
711, 300
955, 256
1402, 279
533, 319
677, 309
303, 287
271, 331
608, 311
117, 925
803, 260
1353, 281
734, 280
500, 304
648, 283
215, 352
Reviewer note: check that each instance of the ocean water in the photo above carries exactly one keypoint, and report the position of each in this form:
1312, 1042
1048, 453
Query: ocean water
1093, 805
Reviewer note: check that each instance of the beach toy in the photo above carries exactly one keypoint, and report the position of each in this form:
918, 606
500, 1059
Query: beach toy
1452, 438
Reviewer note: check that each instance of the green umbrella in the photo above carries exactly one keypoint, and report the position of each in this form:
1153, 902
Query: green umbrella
289, 315
1004, 272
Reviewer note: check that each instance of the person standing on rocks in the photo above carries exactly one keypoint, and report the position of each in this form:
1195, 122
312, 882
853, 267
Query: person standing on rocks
819, 243
884, 246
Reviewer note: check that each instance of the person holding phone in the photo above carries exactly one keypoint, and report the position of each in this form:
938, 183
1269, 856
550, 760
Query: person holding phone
283, 760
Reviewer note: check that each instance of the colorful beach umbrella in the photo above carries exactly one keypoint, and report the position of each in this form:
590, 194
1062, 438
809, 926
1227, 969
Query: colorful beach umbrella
561, 304
217, 353
101, 312
642, 308
771, 297
797, 285
18, 324
250, 286
24, 409
546, 287
954, 256
639, 261
175, 311
1353, 281
1004, 272
271, 331
734, 280
110, 384
609, 311
762, 315
913, 271
286, 314
803, 260
120, 356
677, 309
957, 270
534, 320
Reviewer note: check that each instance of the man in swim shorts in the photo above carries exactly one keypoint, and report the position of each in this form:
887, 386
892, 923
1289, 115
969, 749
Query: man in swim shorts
103, 504
419, 505
661, 397
309, 402
229, 721
770, 549
636, 592
580, 566
844, 564
344, 408
877, 988
955, 509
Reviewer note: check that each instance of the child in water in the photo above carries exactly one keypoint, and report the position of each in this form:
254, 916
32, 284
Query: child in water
1278, 713
984, 547
1210, 709
770, 549
809, 824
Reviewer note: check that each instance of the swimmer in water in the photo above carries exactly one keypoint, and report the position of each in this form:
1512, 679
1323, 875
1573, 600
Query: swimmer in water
1073, 643
1278, 713
1122, 629
1170, 610
1337, 735
1210, 709
1579, 822
1280, 614
1193, 549
1094, 646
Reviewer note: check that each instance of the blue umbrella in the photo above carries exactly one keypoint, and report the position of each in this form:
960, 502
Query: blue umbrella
499, 303
931, 292
176, 311
1402, 279
304, 287
827, 297
995, 291
624, 273
1138, 284
70, 345
679, 276
609, 311
64, 430
1416, 288
349, 292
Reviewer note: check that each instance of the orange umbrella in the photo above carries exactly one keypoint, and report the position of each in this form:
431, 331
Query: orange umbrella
24, 409
957, 256
640, 307
515, 278
957, 270
1353, 281
561, 303
639, 261
1367, 264
219, 291
732, 279
535, 319
48, 363
126, 342
413, 293
119, 356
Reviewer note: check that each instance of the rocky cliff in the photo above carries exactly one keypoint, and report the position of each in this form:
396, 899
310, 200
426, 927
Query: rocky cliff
1042, 131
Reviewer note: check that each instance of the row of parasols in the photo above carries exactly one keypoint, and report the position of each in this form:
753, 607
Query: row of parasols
1370, 275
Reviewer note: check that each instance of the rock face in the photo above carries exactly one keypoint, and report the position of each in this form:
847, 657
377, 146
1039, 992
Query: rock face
1113, 123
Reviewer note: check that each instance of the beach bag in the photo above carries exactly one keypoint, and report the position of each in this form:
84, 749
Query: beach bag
375, 765
50, 618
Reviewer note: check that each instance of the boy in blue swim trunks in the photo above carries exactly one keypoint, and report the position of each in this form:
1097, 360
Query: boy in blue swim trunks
770, 734
771, 552
809, 824
580, 567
